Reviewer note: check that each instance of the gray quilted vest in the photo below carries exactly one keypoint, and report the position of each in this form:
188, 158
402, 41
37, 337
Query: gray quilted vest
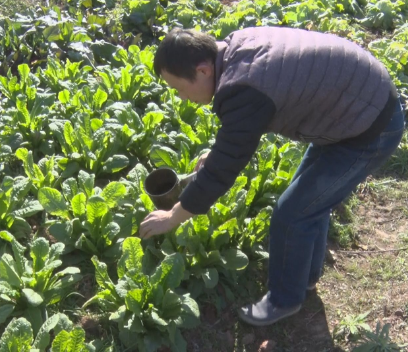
325, 88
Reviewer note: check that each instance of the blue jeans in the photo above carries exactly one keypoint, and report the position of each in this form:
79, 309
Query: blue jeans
300, 220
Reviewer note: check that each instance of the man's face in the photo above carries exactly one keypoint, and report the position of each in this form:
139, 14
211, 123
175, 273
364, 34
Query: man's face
200, 91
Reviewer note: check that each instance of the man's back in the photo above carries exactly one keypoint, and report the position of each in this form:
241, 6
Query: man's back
325, 88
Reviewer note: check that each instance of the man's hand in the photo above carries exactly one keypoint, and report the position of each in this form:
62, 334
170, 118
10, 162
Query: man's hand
162, 221
156, 223
201, 161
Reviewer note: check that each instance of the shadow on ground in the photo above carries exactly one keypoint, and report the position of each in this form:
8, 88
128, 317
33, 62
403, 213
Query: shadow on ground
307, 331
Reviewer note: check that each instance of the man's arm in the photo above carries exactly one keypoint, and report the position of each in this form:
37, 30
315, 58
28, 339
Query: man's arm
245, 114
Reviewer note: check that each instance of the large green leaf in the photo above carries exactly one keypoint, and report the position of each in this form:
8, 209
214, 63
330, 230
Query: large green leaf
5, 311
70, 136
78, 204
53, 202
20, 228
138, 175
201, 225
170, 272
39, 252
7, 292
125, 79
183, 164
210, 277
86, 182
113, 192
70, 188
102, 48
64, 96
18, 251
151, 120
115, 163
42, 339
60, 343
118, 315
21, 187
254, 188
77, 340
62, 231
187, 238
188, 131
235, 259
24, 71
42, 102
70, 167
52, 33
105, 299
135, 300
32, 297
96, 208
63, 324
132, 255
99, 98
110, 231
23, 114
83, 243
6, 236
190, 314
164, 156
73, 341
8, 271
17, 337
172, 305
101, 275
29, 209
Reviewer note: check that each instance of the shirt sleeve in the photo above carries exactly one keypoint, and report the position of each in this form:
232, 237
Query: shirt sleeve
245, 114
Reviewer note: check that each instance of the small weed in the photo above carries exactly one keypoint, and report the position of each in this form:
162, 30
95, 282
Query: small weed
389, 268
351, 326
343, 223
404, 237
375, 186
354, 268
376, 341
343, 234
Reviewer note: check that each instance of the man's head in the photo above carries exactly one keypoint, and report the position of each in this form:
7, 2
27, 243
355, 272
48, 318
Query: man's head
185, 60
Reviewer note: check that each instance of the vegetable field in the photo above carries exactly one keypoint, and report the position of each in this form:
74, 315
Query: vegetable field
83, 120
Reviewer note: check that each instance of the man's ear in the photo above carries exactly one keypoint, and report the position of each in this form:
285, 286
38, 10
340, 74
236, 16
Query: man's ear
205, 68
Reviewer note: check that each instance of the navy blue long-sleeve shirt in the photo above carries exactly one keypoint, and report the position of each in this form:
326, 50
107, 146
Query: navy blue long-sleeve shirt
245, 114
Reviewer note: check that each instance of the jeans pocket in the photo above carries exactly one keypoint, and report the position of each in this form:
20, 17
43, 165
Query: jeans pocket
338, 183
388, 142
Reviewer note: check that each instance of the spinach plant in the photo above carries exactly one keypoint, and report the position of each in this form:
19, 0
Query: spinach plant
89, 146
19, 336
25, 118
42, 175
28, 286
16, 205
87, 221
134, 133
148, 309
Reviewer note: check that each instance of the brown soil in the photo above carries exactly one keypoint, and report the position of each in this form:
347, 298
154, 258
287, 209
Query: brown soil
92, 327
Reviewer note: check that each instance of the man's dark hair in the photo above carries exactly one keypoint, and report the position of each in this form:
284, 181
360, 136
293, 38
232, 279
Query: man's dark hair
182, 50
